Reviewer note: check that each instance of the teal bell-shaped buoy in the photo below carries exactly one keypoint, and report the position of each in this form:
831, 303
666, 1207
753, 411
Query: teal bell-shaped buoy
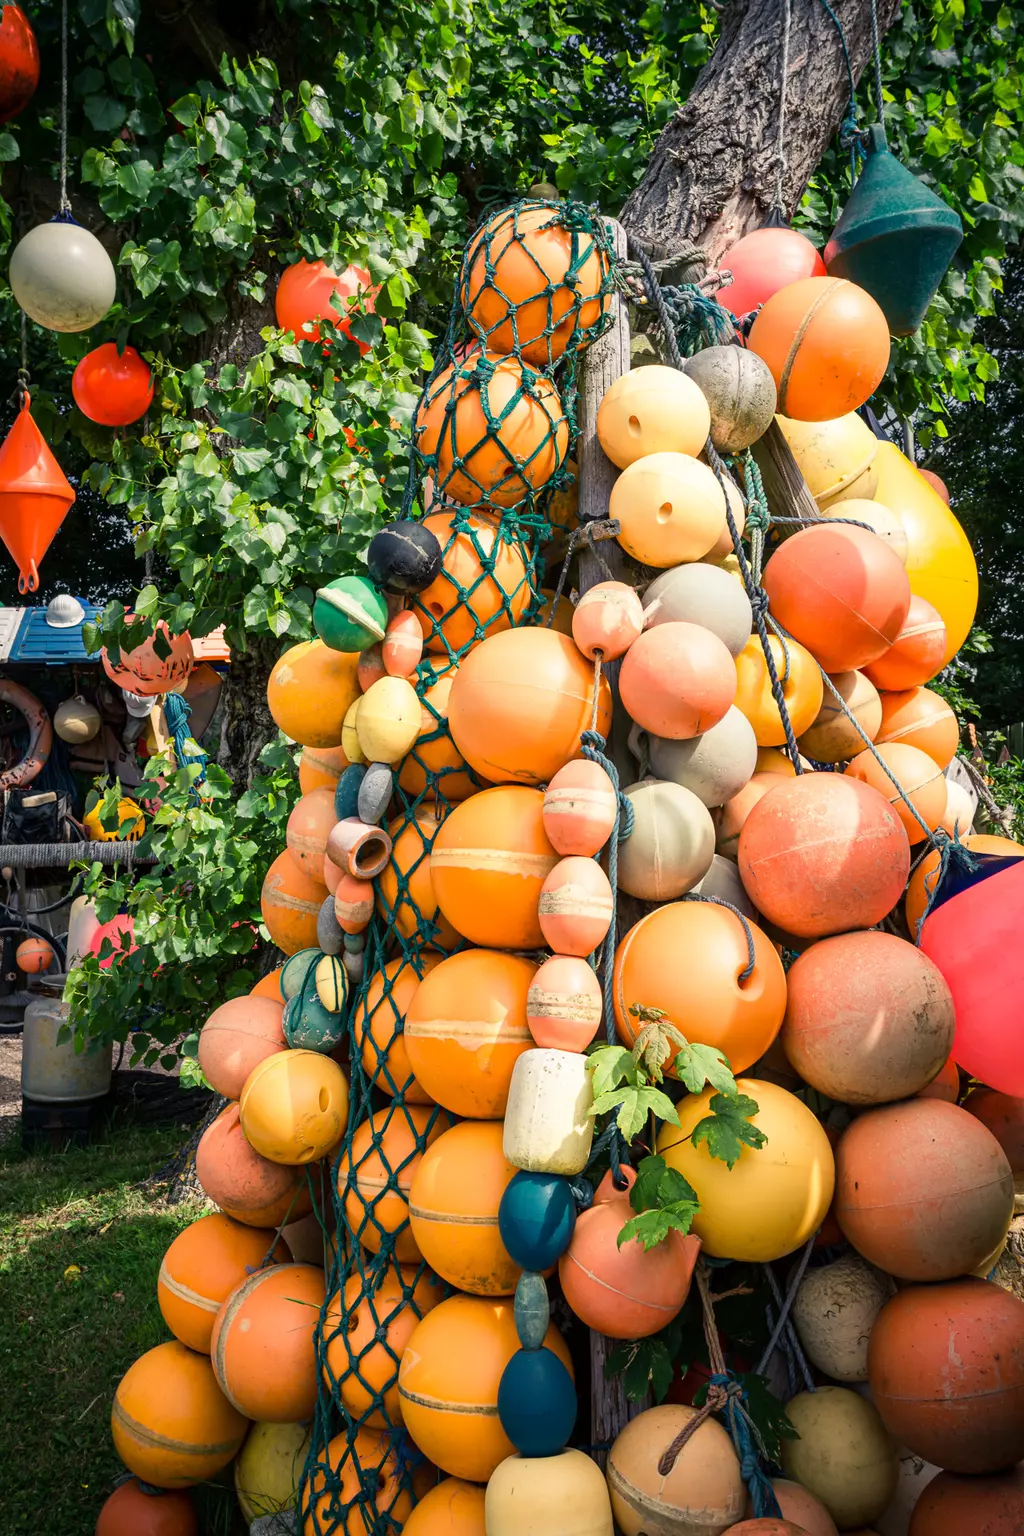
895, 238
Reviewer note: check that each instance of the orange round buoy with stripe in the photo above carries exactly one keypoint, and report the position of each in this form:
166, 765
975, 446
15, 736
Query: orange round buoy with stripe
453, 1207
364, 1363
310, 824
481, 588
132, 1511
236, 1037
269, 986
564, 1004
917, 653
290, 903
310, 691
171, 1423
466, 1028
245, 1185
579, 808
575, 906
917, 717
378, 1026
412, 904
365, 1459
826, 342
919, 776
488, 862
33, 956
203, 1266
262, 1343
402, 645
321, 768
374, 1180
448, 1383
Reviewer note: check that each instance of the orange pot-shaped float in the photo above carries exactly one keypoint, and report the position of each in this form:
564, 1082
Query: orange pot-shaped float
35, 496
236, 1038
919, 718
626, 1292
488, 864
826, 342
482, 587
802, 688
247, 1186
579, 808
309, 826
575, 906
564, 1004
374, 1180
520, 703
378, 1026
171, 1423
919, 776
453, 1208
678, 680
687, 958
466, 1028
363, 1351
290, 903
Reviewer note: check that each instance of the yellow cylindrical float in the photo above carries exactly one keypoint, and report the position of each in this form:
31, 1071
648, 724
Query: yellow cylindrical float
268, 1468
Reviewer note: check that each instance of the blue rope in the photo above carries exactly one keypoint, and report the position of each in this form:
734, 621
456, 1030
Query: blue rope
177, 712
749, 1448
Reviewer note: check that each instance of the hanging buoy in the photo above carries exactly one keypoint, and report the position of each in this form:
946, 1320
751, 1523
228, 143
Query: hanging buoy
62, 277
895, 238
19, 62
144, 671
35, 496
112, 388
302, 303
826, 342
764, 261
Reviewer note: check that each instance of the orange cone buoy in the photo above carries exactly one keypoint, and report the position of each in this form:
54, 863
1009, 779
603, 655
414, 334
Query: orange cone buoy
35, 496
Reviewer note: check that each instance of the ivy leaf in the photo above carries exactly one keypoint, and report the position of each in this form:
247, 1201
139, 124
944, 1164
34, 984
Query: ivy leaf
727, 1130
699, 1064
664, 1200
610, 1065
645, 1365
652, 1227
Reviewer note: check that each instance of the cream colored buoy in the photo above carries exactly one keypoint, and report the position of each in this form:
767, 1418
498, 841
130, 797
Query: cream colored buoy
62, 277
834, 1312
740, 392
844, 1455
548, 1127
76, 720
714, 766
389, 720
672, 843
652, 410
670, 509
707, 595
541, 1495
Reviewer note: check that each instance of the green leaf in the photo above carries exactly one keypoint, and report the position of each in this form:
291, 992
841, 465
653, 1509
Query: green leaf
609, 1066
768, 1414
727, 1130
104, 113
9, 149
699, 1064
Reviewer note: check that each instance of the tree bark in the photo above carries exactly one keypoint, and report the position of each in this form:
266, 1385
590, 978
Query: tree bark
713, 171
244, 718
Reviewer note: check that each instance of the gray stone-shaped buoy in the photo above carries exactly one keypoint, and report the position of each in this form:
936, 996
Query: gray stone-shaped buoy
329, 934
354, 943
532, 1309
671, 845
701, 594
346, 796
62, 277
714, 766
740, 392
723, 881
355, 964
375, 793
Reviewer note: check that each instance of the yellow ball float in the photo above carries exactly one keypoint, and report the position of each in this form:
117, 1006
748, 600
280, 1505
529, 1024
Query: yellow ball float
670, 508
652, 410
389, 720
268, 1468
836, 458
310, 690
453, 1209
802, 689
843, 1455
294, 1112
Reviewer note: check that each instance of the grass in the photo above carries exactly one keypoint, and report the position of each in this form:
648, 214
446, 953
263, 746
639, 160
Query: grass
80, 1248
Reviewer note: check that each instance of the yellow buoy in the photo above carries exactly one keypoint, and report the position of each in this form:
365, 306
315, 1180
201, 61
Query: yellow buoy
388, 720
268, 1468
836, 458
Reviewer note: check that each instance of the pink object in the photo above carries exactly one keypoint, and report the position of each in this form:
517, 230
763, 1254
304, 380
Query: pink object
607, 618
122, 924
564, 1004
763, 262
402, 645
575, 906
677, 680
917, 653
579, 808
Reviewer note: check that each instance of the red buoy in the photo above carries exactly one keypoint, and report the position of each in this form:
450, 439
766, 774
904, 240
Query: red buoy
303, 300
19, 62
35, 495
763, 262
113, 388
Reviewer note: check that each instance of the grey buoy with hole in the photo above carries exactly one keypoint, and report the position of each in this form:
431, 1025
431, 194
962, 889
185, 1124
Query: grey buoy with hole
714, 766
701, 594
740, 392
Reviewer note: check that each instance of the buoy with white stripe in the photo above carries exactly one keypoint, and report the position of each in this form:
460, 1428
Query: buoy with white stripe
487, 865
290, 903
579, 809
172, 1425
203, 1266
453, 1209
262, 1343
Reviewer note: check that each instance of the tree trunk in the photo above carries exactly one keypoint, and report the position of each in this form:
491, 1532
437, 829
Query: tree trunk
245, 721
712, 175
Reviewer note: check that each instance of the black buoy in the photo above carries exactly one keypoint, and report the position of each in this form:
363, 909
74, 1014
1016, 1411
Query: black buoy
404, 557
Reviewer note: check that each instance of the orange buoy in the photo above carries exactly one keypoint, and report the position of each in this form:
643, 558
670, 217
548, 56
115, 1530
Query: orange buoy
946, 1367
917, 653
936, 482
364, 1346
841, 591
406, 893
294, 1106
832, 737
453, 1508
704, 1489
290, 903
801, 1508
579, 808
262, 1344
359, 1461
305, 289
1004, 1117
353, 899
171, 1423
371, 668
142, 670
944, 1085
917, 717
374, 1180
926, 872
625, 1291
687, 958
575, 906
466, 1028
33, 956
730, 817
237, 1037
564, 1004
132, 1511
823, 853
869, 1018
488, 864
802, 689
35, 496
520, 703
969, 1506
481, 588
923, 1189
310, 691
652, 410
918, 776
245, 1185
434, 764
475, 464
321, 767
607, 619
453, 1209
531, 285
677, 681
203, 1266
402, 646
670, 509
309, 826
378, 1026
448, 1383
826, 342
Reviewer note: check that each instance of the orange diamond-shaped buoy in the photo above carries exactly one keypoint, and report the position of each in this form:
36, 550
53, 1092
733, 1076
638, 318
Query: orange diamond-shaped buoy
35, 496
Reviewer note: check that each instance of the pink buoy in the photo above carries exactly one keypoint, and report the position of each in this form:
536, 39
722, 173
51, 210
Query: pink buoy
579, 809
564, 1004
607, 619
575, 906
116, 930
402, 646
677, 680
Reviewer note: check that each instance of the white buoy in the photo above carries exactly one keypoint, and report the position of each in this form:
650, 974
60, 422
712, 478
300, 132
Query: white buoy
62, 277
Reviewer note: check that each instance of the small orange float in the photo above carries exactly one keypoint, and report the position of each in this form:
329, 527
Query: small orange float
290, 903
917, 653
918, 776
677, 680
203, 1266
920, 718
575, 906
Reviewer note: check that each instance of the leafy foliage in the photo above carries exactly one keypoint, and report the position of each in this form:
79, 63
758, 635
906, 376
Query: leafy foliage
664, 1202
727, 1129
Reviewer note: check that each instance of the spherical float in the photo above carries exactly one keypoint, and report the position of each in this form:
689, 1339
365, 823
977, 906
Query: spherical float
564, 1004
144, 671
19, 76
268, 1469
841, 592
435, 766
374, 1180
453, 1209
834, 1311
365, 1331
366, 1487
290, 903
309, 693
970, 1506
309, 826
575, 906
917, 653
369, 670
303, 300
917, 775
960, 811
580, 806
802, 688
723, 881
481, 588
488, 864
673, 839
677, 681
349, 614
62, 277
704, 595
1004, 1117
448, 1383
764, 261
836, 458
262, 1343
294, 1106
465, 1028
768, 1526
533, 286
453, 1508
76, 720
944, 1085
843, 1456
378, 1026
869, 1018
918, 717
774, 1197
832, 737
946, 1367
652, 410
171, 1423
670, 508
245, 1185
389, 720
404, 557
520, 703
687, 959
606, 620
112, 388
528, 1495
537, 1402
713, 766
131, 1510
823, 853
730, 818
740, 392
203, 1266
806, 1513
827, 344
536, 1219
34, 956
703, 1490
473, 463
879, 519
